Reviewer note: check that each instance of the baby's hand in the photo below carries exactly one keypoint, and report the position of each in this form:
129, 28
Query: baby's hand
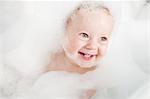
88, 94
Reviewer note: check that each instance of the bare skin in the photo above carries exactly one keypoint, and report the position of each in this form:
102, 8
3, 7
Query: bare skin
96, 27
59, 59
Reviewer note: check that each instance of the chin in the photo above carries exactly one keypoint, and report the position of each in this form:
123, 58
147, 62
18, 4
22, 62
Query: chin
86, 64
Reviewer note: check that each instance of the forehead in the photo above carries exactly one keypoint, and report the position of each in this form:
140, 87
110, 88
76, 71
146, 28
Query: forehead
95, 21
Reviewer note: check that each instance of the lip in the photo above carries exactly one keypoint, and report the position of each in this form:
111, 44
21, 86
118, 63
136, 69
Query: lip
88, 52
86, 56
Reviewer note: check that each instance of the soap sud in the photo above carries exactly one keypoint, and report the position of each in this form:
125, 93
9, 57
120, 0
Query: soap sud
116, 76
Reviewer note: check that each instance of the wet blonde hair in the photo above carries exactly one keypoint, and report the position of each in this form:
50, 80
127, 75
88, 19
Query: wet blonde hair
87, 6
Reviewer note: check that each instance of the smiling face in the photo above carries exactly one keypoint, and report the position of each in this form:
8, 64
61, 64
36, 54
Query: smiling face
87, 37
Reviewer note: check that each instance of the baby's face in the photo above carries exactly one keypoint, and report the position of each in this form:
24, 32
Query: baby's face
87, 37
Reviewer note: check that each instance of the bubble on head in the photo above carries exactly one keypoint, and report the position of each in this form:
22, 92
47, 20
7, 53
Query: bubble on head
92, 6
88, 7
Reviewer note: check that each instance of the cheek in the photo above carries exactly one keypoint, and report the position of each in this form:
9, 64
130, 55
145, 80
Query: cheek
103, 50
73, 45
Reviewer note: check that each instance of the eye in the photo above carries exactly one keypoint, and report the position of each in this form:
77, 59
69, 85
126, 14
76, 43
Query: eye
84, 36
103, 38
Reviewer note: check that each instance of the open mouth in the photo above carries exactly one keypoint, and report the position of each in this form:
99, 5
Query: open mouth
86, 56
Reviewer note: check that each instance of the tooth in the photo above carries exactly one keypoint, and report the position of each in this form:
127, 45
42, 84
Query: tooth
87, 55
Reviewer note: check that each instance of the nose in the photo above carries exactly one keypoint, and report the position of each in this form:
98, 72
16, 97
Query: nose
92, 44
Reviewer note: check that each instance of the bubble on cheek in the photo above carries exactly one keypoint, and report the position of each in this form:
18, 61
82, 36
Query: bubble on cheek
65, 45
73, 58
68, 46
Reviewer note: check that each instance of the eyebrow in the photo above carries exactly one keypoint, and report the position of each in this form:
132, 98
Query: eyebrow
104, 33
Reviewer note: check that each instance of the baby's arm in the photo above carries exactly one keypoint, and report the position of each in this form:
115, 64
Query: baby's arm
88, 94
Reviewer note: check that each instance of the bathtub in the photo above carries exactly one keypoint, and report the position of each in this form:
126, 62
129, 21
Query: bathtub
26, 25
